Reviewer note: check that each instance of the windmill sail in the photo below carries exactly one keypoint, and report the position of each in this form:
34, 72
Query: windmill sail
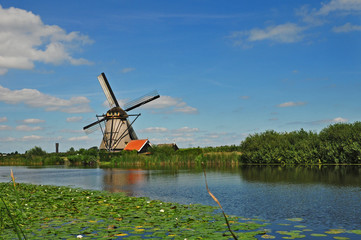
141, 100
108, 91
115, 125
93, 126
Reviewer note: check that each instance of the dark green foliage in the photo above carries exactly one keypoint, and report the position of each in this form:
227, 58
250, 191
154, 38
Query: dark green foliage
338, 143
35, 151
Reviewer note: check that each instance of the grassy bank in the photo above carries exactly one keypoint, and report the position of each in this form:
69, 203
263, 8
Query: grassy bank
50, 212
336, 144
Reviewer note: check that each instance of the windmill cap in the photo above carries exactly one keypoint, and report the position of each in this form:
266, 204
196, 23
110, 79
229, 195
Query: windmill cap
117, 111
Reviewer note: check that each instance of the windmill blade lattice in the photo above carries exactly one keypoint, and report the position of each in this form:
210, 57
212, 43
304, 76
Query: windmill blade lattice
141, 100
93, 126
108, 91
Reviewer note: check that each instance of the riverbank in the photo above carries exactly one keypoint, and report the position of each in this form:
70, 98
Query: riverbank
51, 212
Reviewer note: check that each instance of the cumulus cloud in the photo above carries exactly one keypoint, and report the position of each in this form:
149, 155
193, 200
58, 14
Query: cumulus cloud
308, 20
33, 121
154, 130
5, 127
3, 119
187, 130
339, 120
323, 121
25, 39
283, 33
170, 105
344, 6
27, 128
81, 138
36, 99
348, 27
31, 138
74, 119
291, 104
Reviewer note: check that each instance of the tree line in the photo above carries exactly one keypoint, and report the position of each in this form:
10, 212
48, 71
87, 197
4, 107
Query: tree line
339, 143
336, 144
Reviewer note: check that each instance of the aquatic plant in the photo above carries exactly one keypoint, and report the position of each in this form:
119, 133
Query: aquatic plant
219, 204
11, 212
62, 213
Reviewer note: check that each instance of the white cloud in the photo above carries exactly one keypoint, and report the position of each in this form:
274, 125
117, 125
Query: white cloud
291, 104
154, 130
26, 128
345, 6
74, 119
187, 130
82, 138
348, 27
5, 127
31, 138
295, 32
7, 139
283, 33
172, 105
127, 70
339, 120
25, 39
33, 121
34, 98
3, 119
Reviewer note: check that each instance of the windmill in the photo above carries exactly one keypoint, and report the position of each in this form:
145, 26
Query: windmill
115, 125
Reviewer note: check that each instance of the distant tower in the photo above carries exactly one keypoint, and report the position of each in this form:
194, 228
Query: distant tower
57, 147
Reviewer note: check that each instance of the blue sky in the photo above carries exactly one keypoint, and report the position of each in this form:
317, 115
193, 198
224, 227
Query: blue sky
224, 69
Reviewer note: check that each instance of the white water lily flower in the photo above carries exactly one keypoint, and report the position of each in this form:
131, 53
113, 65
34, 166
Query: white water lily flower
162, 210
148, 201
79, 236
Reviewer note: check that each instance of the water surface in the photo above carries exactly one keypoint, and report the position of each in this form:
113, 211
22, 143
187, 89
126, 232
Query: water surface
326, 197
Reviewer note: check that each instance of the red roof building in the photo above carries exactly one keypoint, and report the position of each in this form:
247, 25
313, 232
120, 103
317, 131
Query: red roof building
140, 146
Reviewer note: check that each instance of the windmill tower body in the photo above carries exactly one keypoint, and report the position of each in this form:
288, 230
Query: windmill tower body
118, 130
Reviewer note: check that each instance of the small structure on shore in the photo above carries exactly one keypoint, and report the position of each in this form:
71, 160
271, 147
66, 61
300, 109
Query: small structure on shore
115, 125
141, 146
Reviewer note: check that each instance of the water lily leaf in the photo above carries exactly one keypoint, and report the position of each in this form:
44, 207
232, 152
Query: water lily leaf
318, 235
266, 236
295, 219
335, 231
356, 231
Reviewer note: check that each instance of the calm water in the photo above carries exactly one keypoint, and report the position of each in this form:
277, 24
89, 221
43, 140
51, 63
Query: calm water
327, 197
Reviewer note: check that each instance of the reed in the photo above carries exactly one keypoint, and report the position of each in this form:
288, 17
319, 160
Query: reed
13, 214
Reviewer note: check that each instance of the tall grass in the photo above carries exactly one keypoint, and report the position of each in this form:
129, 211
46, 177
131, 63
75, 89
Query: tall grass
11, 214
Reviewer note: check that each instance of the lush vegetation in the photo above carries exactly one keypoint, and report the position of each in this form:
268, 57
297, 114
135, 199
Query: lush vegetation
337, 144
55, 212
51, 212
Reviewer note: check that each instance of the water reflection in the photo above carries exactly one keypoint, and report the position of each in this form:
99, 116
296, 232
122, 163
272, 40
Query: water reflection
118, 180
333, 175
